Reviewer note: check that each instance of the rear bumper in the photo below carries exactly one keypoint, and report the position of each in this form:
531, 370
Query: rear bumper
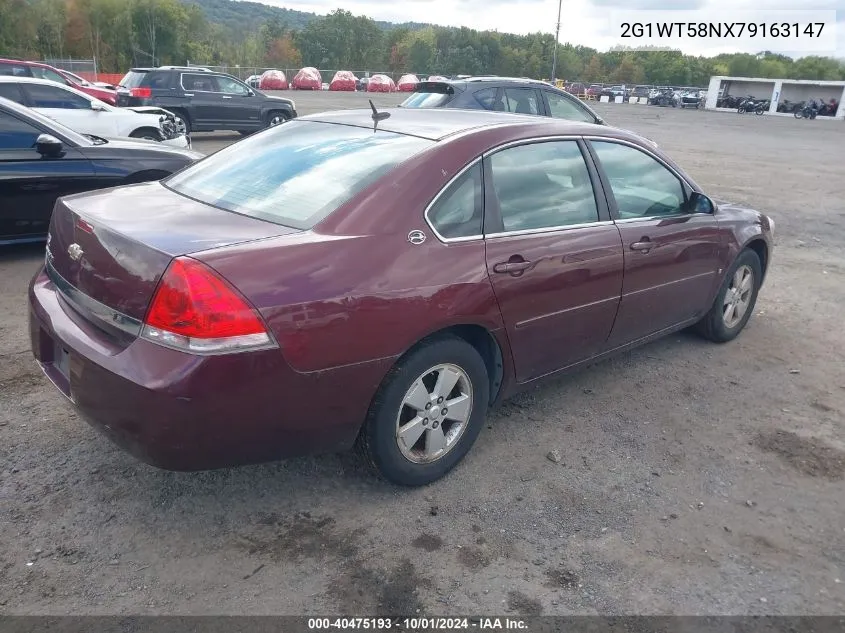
183, 412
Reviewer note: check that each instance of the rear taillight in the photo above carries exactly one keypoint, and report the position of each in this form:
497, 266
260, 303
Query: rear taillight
195, 310
143, 93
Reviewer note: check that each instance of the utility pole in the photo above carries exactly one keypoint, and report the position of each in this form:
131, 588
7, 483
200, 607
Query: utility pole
557, 34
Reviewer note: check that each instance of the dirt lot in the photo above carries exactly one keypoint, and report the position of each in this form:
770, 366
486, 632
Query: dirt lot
695, 479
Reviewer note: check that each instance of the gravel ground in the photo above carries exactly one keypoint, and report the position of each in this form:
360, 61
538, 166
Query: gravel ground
693, 478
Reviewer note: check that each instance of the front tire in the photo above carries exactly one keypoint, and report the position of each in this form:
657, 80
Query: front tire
735, 301
427, 413
277, 118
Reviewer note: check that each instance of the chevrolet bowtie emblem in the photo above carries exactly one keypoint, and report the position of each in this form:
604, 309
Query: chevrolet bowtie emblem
75, 252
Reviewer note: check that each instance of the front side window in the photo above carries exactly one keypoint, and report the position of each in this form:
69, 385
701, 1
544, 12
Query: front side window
16, 134
522, 100
42, 96
562, 108
46, 73
543, 185
643, 187
458, 211
295, 174
230, 86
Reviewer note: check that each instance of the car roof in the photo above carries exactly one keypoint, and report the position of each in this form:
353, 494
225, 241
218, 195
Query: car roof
438, 123
31, 80
24, 62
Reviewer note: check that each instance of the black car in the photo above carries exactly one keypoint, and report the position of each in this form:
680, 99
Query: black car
41, 160
204, 100
522, 96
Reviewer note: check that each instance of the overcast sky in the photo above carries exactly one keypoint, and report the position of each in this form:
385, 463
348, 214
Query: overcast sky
584, 22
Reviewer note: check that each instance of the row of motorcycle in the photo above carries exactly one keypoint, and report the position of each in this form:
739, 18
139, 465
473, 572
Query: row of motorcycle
801, 110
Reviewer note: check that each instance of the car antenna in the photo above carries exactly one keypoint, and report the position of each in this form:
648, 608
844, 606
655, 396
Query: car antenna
377, 116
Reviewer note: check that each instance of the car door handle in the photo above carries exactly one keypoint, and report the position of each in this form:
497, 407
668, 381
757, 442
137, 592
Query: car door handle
226, 97
643, 246
511, 267
188, 94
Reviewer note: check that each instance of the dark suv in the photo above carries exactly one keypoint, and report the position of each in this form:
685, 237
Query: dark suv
204, 100
522, 96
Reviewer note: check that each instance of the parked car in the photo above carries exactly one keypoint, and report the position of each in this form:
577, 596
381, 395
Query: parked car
576, 89
594, 90
41, 159
203, 100
80, 83
376, 288
87, 115
253, 80
20, 68
522, 96
641, 92
613, 92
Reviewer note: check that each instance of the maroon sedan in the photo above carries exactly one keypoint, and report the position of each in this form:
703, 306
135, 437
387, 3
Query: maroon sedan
332, 280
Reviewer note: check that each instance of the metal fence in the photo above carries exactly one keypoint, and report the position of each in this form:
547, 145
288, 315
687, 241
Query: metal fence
76, 66
244, 72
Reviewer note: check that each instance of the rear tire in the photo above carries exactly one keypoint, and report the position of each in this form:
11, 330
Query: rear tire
735, 300
406, 437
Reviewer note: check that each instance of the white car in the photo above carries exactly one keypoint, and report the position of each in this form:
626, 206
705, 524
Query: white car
87, 115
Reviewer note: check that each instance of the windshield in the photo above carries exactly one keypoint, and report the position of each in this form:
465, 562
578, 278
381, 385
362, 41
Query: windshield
295, 174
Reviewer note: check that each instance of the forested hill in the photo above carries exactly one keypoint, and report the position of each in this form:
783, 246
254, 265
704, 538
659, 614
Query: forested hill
241, 16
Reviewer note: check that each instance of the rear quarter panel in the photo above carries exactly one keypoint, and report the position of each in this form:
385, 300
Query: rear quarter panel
355, 289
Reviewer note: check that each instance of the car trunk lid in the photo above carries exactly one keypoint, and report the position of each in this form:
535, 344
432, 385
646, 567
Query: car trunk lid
112, 246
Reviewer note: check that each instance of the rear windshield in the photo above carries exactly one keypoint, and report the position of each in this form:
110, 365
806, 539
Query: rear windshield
297, 173
430, 96
133, 79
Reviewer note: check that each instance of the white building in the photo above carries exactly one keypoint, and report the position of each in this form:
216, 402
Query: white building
778, 90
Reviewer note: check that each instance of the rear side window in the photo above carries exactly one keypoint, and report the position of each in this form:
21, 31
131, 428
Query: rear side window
16, 134
14, 70
543, 186
486, 98
298, 173
200, 82
11, 92
458, 210
522, 100
41, 96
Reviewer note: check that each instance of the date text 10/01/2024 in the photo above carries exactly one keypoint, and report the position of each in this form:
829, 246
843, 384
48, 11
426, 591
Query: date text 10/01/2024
417, 624
721, 29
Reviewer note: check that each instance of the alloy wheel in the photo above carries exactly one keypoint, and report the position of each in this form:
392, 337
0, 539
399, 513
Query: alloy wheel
434, 414
277, 119
738, 296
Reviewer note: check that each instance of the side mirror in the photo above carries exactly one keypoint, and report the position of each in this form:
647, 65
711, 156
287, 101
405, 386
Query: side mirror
699, 203
49, 146
96, 106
